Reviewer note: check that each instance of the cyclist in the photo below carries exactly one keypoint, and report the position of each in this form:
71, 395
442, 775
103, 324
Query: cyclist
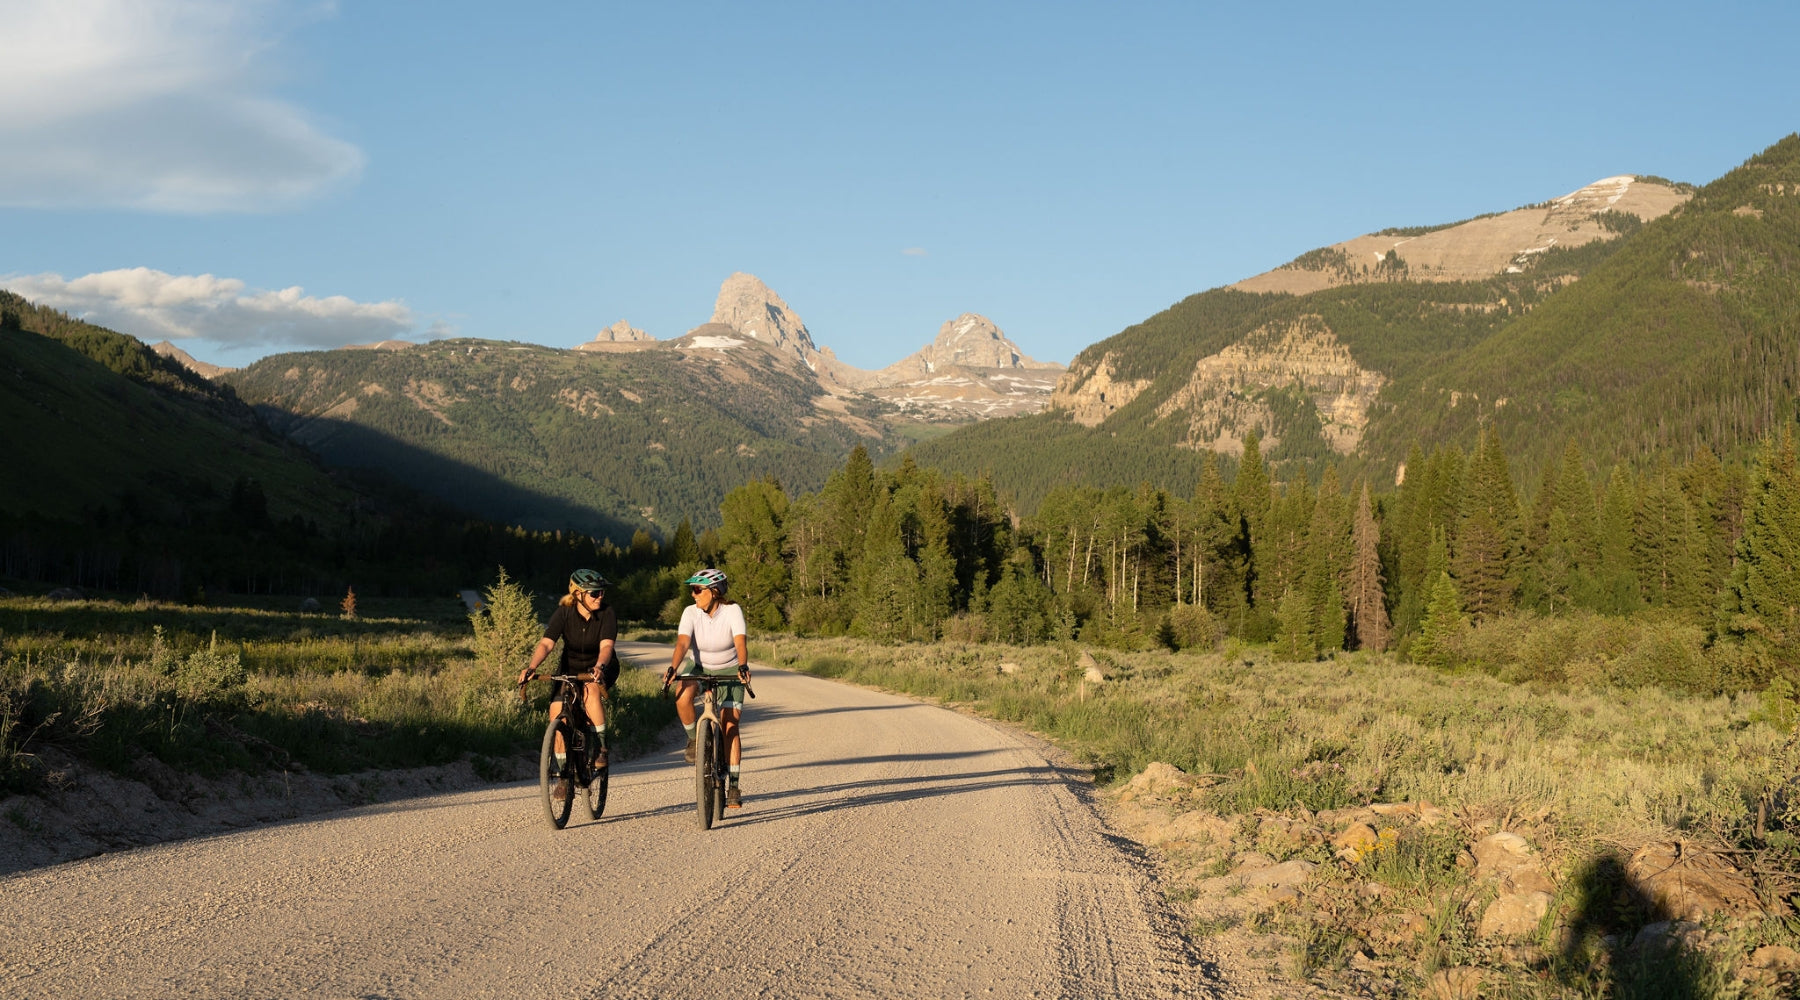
714, 627
588, 628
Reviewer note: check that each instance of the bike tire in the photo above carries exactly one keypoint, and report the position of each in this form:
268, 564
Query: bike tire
703, 777
549, 774
719, 774
593, 799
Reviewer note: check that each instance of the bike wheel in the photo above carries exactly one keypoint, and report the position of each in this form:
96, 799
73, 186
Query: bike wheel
719, 774
703, 777
557, 812
593, 799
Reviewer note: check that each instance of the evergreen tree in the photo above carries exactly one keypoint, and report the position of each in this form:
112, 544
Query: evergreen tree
1666, 544
753, 539
936, 594
1019, 604
1444, 623
1328, 563
683, 549
1368, 598
1617, 573
1762, 601
1294, 632
885, 581
1221, 580
1488, 534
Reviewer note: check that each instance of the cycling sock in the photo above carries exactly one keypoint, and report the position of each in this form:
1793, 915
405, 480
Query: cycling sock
600, 730
560, 759
735, 769
690, 730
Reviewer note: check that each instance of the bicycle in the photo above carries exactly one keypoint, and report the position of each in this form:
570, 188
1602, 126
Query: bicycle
712, 758
585, 771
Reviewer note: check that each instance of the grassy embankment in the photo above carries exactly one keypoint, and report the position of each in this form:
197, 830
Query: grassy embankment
211, 690
1585, 773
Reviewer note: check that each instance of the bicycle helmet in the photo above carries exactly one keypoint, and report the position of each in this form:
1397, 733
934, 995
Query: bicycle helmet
590, 581
712, 578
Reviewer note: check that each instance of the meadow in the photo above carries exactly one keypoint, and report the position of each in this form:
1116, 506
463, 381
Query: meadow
1278, 756
258, 686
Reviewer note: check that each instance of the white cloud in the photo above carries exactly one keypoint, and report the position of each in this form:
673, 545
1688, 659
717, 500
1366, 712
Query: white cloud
156, 105
915, 252
151, 305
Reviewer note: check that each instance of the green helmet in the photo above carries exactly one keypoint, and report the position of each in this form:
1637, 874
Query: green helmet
715, 579
590, 581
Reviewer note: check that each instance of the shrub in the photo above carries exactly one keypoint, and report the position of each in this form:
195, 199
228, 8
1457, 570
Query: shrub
506, 627
209, 672
1192, 625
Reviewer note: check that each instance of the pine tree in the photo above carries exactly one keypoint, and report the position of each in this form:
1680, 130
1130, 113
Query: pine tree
1368, 598
1617, 572
753, 539
885, 581
1327, 563
683, 549
1487, 533
1294, 631
936, 593
1443, 625
1666, 545
1762, 601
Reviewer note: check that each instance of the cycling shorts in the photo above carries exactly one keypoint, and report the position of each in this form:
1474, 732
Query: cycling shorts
731, 694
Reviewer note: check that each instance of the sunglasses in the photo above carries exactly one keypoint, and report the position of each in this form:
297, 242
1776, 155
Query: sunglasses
696, 591
595, 594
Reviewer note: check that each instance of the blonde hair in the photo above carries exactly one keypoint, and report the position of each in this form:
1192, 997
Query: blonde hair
569, 598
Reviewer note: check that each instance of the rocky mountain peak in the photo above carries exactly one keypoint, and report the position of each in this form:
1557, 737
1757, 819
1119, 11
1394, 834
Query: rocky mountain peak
198, 367
753, 309
972, 340
968, 341
622, 332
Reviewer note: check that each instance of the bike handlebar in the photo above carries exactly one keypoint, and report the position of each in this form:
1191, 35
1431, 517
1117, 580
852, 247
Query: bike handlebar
570, 679
711, 680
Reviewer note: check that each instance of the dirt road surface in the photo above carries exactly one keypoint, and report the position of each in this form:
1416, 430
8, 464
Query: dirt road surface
885, 849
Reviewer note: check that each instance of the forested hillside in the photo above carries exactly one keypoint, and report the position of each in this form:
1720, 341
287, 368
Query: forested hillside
605, 443
125, 472
1677, 335
1687, 336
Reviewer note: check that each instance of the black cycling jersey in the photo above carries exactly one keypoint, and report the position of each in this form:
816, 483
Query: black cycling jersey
581, 638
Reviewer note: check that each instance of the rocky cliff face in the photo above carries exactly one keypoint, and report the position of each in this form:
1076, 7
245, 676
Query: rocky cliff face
1227, 394
1090, 395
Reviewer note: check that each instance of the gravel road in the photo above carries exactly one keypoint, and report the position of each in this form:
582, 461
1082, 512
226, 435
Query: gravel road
885, 849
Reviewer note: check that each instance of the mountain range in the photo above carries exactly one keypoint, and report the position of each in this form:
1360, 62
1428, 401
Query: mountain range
1640, 318
628, 432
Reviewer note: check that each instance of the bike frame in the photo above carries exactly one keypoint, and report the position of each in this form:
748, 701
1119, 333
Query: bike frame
573, 727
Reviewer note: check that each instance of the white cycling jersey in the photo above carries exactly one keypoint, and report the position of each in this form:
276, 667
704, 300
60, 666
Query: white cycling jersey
712, 635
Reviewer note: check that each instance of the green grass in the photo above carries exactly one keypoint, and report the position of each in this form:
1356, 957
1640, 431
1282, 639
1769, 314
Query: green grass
1356, 729
1580, 768
215, 690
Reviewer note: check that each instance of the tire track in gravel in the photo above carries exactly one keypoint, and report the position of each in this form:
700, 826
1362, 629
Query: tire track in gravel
886, 849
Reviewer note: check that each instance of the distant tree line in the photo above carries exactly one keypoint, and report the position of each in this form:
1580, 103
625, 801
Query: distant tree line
1313, 565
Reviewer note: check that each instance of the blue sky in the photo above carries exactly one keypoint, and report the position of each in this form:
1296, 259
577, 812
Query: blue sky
255, 177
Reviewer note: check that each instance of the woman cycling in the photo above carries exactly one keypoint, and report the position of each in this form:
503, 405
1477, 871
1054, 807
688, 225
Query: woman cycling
588, 628
714, 627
